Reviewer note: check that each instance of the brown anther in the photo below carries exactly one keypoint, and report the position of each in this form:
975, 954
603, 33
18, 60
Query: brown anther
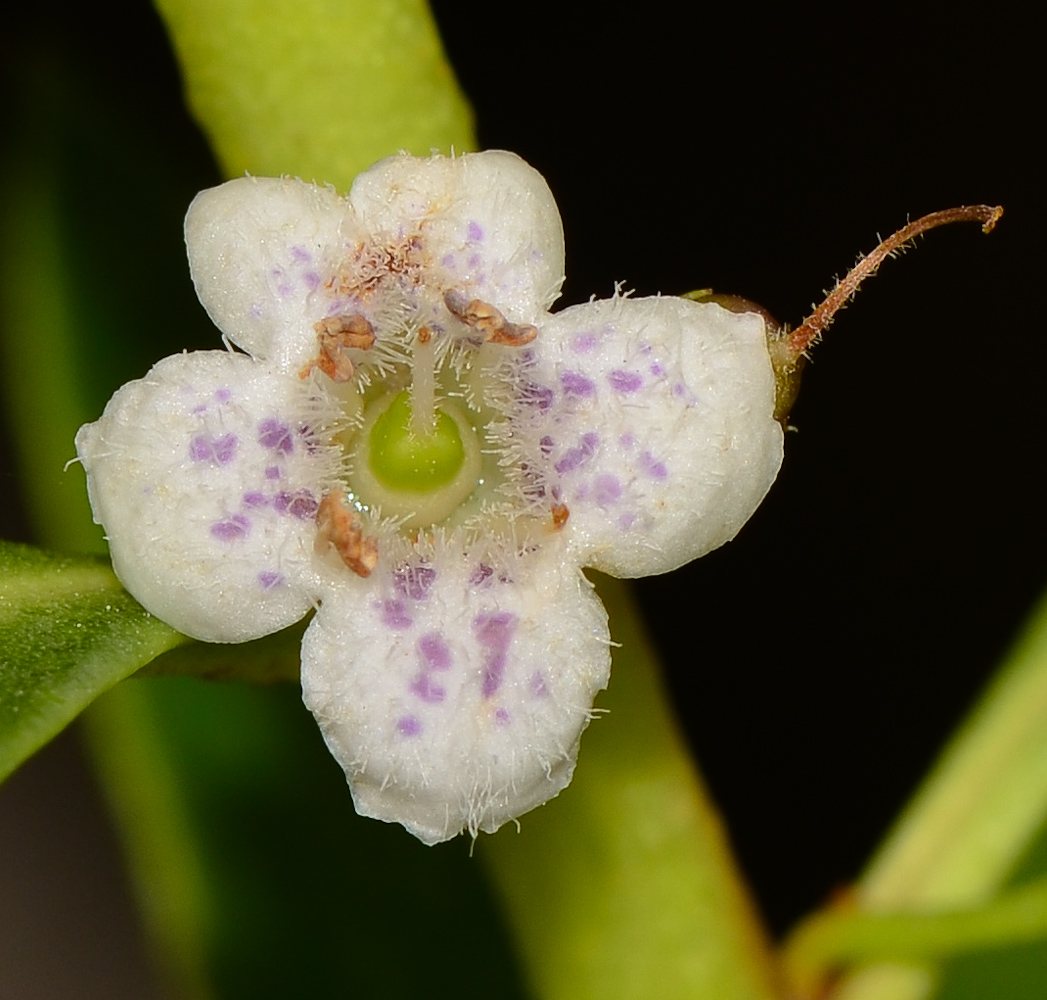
424, 335
336, 335
340, 527
489, 321
560, 515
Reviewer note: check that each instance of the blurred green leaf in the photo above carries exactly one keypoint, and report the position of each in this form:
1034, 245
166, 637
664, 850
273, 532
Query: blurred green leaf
975, 826
68, 632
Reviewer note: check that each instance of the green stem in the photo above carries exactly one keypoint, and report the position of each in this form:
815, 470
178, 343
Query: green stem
625, 886
317, 88
837, 939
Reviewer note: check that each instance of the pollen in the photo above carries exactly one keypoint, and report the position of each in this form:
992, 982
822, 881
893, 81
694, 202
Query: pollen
560, 515
489, 321
340, 528
336, 335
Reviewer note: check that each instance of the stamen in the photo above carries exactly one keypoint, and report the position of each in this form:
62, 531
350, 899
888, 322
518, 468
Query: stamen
423, 385
341, 528
487, 320
336, 335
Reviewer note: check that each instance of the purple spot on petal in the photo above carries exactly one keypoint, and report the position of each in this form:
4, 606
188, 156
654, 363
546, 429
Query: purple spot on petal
537, 685
200, 449
678, 389
546, 444
606, 490
255, 499
657, 369
223, 395
272, 472
502, 716
494, 632
627, 440
276, 435
447, 260
626, 521
225, 449
653, 468
230, 530
414, 581
537, 395
409, 726
623, 381
427, 689
480, 574
475, 260
583, 343
574, 457
434, 652
311, 280
576, 384
303, 505
394, 614
268, 579
300, 255
476, 233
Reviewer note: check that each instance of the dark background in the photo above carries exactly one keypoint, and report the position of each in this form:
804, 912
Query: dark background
819, 660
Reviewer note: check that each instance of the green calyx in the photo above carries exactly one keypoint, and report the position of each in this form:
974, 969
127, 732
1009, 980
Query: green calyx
404, 459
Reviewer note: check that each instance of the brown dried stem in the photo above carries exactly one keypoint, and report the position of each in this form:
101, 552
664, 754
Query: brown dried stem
798, 341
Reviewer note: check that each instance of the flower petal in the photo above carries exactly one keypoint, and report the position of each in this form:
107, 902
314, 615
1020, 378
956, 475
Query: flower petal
453, 696
260, 249
662, 433
207, 478
488, 220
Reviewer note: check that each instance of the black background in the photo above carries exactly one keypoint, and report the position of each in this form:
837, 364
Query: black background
819, 660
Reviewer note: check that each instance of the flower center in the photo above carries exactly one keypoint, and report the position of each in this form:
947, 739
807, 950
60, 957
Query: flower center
406, 457
415, 459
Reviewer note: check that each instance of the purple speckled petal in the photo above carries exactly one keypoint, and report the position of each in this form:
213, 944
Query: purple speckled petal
435, 654
395, 614
578, 455
200, 449
427, 689
231, 529
494, 633
225, 449
276, 435
607, 489
414, 580
623, 381
577, 384
409, 725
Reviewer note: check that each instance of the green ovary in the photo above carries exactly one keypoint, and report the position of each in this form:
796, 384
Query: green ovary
419, 476
402, 459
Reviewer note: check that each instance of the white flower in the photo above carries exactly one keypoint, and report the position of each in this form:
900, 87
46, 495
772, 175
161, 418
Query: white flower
413, 445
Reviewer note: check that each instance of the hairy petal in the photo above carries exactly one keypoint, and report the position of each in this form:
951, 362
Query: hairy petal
207, 478
488, 221
455, 695
662, 433
260, 250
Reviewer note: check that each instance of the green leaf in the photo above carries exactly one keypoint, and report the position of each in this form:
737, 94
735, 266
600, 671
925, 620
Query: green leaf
971, 827
68, 631
317, 88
